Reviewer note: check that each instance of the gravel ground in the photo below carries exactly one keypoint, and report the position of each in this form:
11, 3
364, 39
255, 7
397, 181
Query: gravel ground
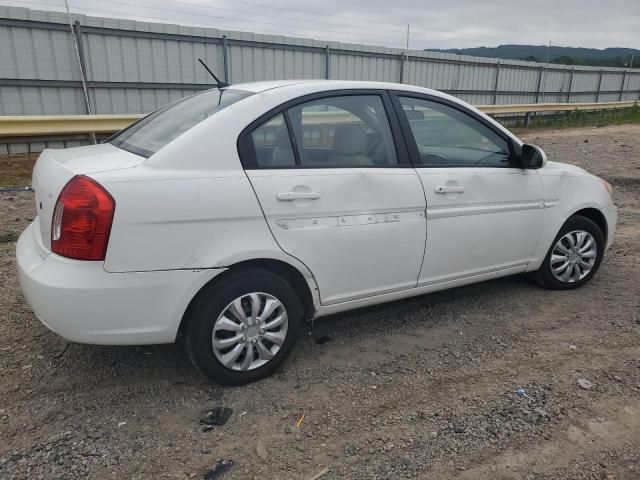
423, 388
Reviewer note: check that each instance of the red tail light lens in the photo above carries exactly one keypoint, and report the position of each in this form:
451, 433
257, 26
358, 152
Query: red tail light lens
82, 220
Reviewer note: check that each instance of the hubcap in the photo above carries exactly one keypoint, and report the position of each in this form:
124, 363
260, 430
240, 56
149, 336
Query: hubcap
249, 331
574, 256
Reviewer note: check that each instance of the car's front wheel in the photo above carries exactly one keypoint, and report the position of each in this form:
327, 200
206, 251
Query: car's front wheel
574, 256
242, 328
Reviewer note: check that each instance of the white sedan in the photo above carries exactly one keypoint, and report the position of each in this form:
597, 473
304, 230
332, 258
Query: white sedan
229, 217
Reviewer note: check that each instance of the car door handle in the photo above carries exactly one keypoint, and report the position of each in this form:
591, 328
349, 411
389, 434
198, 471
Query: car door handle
449, 189
291, 196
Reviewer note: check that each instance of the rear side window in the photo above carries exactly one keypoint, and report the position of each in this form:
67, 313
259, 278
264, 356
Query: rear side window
273, 145
157, 129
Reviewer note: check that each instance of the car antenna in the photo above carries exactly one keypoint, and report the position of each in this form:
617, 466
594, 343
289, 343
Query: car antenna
220, 84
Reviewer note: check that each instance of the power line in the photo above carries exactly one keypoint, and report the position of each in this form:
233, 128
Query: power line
288, 18
309, 32
350, 19
396, 27
304, 22
217, 18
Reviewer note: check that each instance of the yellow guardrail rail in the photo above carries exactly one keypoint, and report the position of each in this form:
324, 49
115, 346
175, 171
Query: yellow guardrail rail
40, 125
31, 126
553, 107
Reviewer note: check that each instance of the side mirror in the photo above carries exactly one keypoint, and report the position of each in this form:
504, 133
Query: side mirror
532, 157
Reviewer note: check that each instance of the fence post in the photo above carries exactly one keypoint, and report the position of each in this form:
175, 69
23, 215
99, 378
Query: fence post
570, 84
495, 86
327, 62
624, 77
401, 68
599, 85
225, 58
539, 84
527, 117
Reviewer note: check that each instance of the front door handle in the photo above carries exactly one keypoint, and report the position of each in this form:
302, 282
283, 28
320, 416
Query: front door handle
449, 189
291, 196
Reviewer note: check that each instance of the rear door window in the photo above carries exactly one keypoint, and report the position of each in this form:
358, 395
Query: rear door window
343, 131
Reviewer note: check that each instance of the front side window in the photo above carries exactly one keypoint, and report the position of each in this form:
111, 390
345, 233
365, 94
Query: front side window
447, 137
157, 129
344, 131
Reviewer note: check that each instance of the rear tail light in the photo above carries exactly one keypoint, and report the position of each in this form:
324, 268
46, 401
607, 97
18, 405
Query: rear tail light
82, 220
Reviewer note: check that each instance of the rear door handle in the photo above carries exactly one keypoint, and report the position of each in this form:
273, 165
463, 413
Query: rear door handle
449, 189
291, 196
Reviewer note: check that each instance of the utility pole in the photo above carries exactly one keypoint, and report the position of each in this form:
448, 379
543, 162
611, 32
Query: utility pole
404, 64
407, 49
83, 77
548, 51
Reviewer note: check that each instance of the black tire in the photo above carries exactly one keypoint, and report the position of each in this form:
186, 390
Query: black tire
210, 303
545, 277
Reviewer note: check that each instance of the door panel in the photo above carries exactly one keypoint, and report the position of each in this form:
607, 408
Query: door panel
493, 224
484, 212
362, 234
350, 207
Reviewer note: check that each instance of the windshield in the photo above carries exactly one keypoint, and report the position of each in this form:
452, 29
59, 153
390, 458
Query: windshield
157, 129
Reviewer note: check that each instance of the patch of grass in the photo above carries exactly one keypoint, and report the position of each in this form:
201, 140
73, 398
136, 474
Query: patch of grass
580, 118
15, 171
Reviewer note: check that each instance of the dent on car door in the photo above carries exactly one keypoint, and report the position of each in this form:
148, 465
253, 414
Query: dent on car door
484, 212
338, 194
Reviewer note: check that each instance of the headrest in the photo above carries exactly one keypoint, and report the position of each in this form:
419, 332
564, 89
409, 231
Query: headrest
350, 140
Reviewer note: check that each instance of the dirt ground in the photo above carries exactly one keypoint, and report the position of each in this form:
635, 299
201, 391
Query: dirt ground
15, 171
423, 388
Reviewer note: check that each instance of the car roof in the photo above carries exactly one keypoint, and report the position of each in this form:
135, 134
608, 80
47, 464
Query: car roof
292, 88
324, 85
257, 87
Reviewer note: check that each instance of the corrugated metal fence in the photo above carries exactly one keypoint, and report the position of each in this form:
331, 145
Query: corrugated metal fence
135, 67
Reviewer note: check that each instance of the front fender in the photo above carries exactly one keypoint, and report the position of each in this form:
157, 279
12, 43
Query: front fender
566, 192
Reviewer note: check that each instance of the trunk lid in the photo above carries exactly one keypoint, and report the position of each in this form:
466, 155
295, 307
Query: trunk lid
55, 168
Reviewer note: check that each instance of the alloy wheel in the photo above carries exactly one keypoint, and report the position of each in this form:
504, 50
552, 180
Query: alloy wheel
573, 256
250, 331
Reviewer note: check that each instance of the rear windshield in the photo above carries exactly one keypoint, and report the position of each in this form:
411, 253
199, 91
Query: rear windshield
154, 131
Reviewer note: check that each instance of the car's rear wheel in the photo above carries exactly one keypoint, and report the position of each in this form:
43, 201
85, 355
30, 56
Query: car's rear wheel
242, 328
574, 256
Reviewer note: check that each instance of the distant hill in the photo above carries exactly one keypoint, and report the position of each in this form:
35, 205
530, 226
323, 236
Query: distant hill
608, 57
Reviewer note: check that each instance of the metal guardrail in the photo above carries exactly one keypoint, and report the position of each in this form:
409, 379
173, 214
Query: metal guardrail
33, 126
554, 107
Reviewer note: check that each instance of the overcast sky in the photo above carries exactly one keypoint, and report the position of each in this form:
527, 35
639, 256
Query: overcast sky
433, 24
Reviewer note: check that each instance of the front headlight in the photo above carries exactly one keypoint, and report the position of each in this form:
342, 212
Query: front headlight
608, 188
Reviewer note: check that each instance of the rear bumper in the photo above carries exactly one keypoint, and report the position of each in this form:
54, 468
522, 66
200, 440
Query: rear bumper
83, 303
